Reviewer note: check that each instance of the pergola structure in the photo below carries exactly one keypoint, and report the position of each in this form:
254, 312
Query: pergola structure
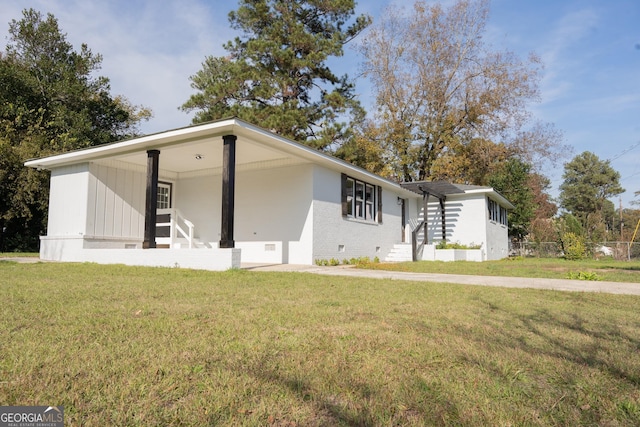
437, 189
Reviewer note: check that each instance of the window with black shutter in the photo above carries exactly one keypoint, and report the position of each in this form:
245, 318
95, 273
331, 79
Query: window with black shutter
361, 200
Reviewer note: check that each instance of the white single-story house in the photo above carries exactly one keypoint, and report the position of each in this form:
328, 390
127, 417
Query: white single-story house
226, 193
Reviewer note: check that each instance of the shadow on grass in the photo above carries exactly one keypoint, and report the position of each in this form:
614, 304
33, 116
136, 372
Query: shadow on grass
354, 401
331, 409
583, 361
622, 267
573, 337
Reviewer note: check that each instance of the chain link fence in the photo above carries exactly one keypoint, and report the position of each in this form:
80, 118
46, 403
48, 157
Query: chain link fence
624, 251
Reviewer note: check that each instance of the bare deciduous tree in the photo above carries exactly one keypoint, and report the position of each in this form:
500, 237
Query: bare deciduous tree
438, 85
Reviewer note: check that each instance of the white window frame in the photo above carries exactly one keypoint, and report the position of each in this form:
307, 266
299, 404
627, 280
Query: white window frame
362, 200
162, 200
497, 213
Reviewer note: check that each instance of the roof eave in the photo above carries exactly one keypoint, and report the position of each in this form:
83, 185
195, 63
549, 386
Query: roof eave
233, 126
153, 141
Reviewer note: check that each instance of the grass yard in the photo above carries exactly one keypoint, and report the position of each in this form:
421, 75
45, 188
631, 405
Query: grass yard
133, 346
19, 254
549, 268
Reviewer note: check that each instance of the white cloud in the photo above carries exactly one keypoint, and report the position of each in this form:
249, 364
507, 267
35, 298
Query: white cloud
558, 52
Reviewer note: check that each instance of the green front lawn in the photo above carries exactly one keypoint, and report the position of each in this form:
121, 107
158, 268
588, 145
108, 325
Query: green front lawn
140, 346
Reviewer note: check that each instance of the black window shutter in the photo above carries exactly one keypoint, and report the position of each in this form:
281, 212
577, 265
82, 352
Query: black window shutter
343, 179
379, 205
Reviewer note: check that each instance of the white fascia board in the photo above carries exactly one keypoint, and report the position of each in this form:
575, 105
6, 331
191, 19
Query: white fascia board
494, 195
144, 143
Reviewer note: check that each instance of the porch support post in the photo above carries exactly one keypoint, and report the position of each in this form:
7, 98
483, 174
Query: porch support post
444, 222
425, 207
153, 157
228, 190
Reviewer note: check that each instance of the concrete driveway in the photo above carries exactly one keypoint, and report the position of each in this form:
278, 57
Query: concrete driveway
507, 282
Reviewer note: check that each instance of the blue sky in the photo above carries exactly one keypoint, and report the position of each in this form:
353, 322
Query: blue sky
590, 48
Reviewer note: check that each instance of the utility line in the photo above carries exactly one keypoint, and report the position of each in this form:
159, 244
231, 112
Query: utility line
630, 176
637, 144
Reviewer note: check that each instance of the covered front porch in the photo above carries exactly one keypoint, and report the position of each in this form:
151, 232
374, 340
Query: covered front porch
208, 197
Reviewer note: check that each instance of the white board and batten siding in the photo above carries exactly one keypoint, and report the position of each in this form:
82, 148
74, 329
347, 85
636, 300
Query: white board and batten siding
97, 215
68, 195
115, 208
103, 206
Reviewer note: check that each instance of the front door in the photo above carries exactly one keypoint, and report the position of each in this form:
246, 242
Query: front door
404, 218
164, 202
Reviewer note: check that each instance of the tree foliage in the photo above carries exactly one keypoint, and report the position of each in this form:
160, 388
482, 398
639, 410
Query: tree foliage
630, 219
276, 73
50, 102
512, 181
439, 87
587, 184
471, 163
545, 206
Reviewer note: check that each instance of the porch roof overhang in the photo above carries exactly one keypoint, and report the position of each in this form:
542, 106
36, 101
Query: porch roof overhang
198, 150
439, 189
444, 189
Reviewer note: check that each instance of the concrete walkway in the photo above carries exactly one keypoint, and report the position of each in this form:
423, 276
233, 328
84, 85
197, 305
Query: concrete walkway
507, 282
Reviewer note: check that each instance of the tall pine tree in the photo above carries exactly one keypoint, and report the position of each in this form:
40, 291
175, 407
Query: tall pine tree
276, 73
588, 183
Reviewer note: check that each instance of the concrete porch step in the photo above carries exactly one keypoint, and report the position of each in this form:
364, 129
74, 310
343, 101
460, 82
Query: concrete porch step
400, 252
181, 243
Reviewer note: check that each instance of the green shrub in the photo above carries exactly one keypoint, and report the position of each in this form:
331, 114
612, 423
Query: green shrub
574, 246
443, 244
362, 261
583, 275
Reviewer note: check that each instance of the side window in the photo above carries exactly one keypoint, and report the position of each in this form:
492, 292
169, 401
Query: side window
359, 211
369, 196
350, 192
497, 213
492, 210
503, 216
361, 200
